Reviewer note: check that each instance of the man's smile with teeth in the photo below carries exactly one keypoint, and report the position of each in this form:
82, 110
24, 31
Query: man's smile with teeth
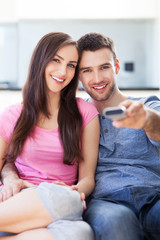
57, 79
100, 87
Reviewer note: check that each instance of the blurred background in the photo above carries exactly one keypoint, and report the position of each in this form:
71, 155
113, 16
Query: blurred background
134, 25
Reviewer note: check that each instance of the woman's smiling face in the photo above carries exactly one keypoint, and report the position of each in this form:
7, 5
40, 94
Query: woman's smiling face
60, 71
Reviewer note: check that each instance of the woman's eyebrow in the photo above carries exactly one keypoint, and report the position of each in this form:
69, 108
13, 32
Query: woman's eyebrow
63, 59
73, 61
59, 56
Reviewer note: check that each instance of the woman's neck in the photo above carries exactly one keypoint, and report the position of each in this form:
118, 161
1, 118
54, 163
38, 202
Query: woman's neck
53, 108
53, 102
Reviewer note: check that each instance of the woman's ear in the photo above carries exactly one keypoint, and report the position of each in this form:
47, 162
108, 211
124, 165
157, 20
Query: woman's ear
117, 66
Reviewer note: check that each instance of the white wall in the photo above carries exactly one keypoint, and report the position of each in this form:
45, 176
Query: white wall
24, 13
158, 42
89, 9
133, 40
8, 52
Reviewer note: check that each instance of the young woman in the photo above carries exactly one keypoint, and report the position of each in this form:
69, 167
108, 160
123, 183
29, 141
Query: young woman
52, 137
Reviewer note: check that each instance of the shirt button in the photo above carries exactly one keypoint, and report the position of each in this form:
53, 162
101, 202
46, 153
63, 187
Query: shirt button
106, 130
103, 117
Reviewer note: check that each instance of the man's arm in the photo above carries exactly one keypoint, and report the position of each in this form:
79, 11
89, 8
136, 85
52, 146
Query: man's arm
12, 184
141, 116
152, 124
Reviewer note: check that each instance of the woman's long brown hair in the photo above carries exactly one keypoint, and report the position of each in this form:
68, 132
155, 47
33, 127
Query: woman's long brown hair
35, 101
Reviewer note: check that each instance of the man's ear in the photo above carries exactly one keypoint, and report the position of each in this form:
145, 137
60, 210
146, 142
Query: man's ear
117, 66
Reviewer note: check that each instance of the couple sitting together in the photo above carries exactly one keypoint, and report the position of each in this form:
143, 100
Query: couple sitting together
58, 152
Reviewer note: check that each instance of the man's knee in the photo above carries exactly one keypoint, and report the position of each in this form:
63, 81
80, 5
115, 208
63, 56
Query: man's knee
112, 221
107, 218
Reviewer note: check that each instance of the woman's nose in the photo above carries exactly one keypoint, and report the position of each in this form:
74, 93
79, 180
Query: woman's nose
62, 70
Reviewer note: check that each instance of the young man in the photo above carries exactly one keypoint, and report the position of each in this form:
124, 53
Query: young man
125, 204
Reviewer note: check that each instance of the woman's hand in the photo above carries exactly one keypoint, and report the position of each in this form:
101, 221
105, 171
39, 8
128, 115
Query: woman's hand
12, 187
74, 187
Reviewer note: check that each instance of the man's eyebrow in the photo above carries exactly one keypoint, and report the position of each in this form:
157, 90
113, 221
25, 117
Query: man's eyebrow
107, 63
63, 59
84, 68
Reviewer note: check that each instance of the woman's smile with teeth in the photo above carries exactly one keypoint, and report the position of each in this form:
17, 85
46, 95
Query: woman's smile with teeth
57, 79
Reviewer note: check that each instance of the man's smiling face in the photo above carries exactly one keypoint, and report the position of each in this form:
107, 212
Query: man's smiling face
98, 73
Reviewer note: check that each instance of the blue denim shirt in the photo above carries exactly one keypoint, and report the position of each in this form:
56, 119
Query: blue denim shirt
128, 169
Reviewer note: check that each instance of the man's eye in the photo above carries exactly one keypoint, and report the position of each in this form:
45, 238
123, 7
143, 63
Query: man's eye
104, 67
86, 71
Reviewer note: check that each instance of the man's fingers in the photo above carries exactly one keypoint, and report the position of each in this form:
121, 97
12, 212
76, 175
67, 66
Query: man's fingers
136, 115
133, 107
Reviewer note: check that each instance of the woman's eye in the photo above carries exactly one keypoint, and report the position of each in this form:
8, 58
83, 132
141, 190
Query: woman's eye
55, 60
71, 65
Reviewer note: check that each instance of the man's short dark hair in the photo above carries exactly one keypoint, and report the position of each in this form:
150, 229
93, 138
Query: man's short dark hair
95, 41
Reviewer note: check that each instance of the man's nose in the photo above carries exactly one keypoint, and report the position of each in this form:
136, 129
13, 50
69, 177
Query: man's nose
96, 77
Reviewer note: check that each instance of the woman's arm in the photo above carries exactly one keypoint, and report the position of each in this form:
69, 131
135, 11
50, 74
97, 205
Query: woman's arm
87, 167
12, 184
3, 151
9, 176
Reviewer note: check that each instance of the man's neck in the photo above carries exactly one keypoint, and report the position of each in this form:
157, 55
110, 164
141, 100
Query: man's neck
113, 101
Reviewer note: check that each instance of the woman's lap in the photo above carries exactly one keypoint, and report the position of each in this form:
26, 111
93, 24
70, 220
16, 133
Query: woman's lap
61, 202
65, 208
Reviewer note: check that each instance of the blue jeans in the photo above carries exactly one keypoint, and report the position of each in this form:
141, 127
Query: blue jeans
150, 220
115, 221
2, 234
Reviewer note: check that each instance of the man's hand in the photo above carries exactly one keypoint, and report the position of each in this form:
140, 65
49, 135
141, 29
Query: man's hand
12, 187
136, 115
141, 116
